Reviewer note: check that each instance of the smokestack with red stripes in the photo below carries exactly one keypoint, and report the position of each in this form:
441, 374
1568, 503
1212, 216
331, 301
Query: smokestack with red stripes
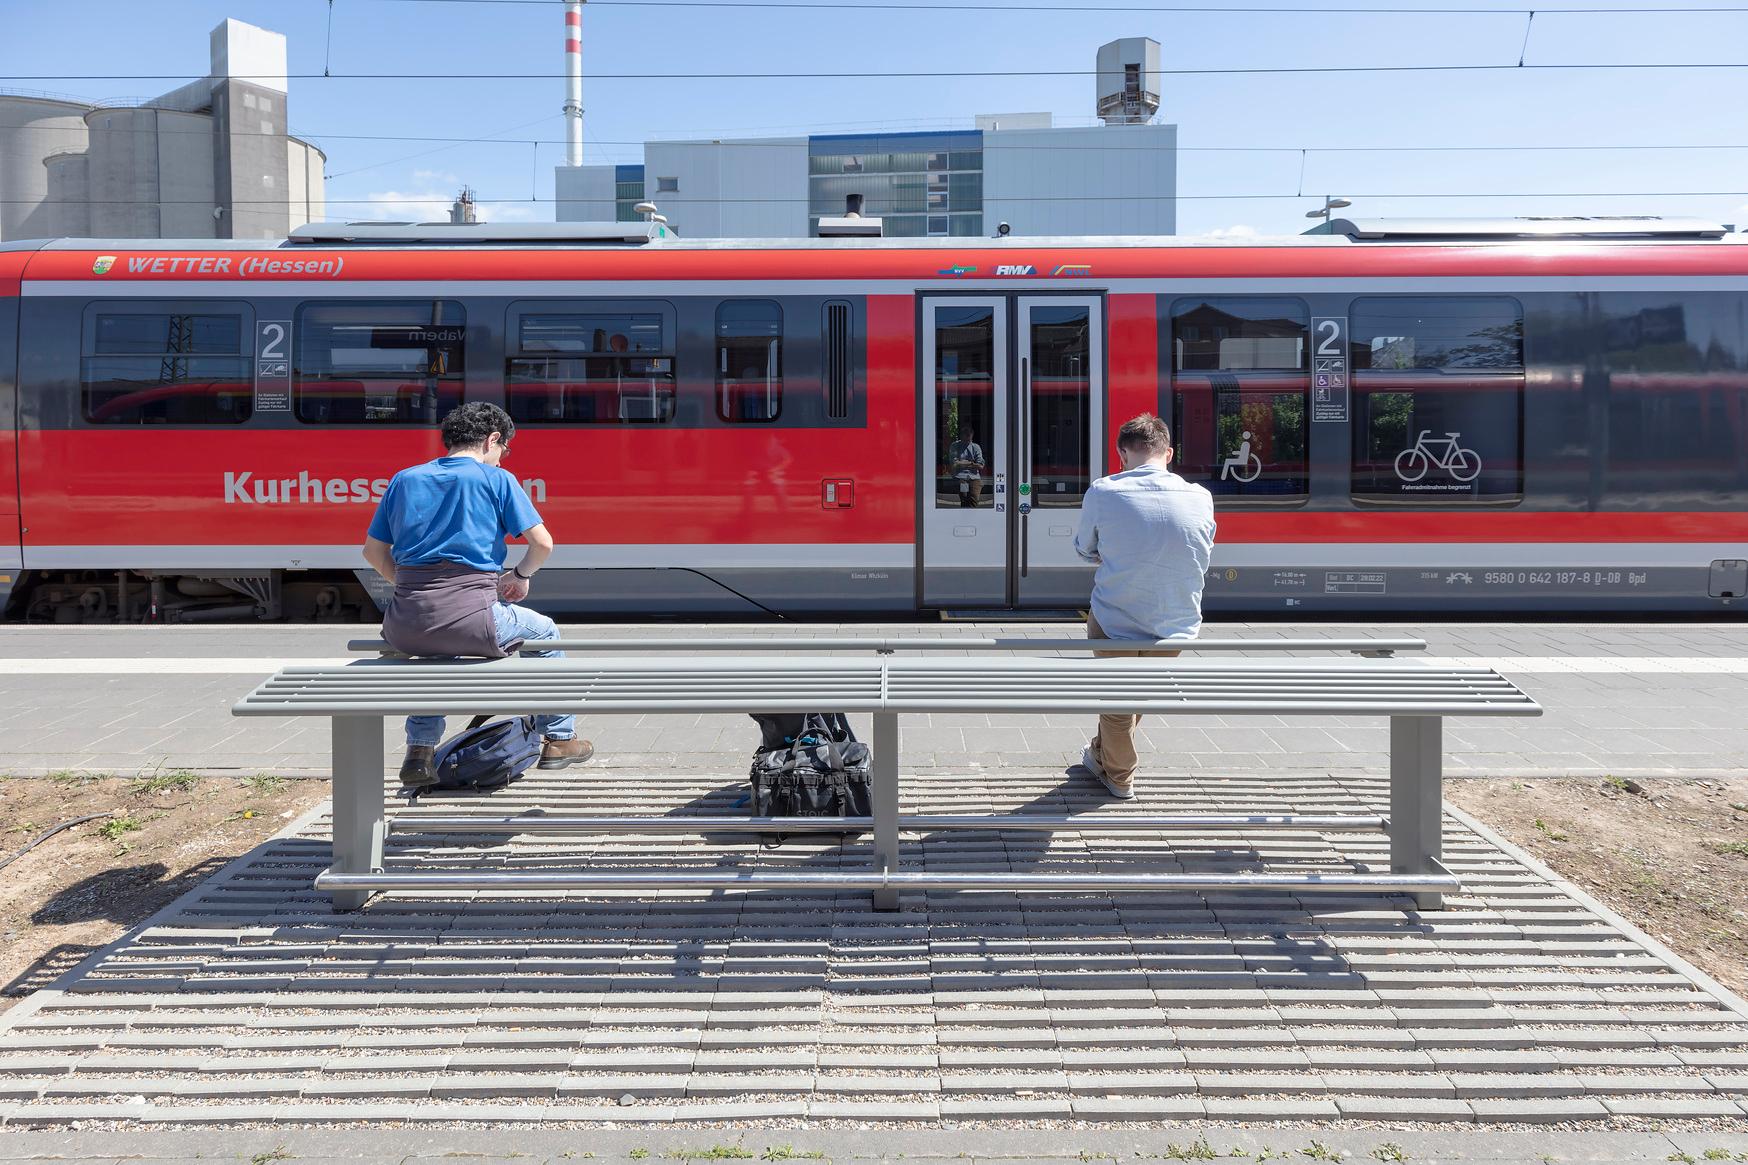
573, 81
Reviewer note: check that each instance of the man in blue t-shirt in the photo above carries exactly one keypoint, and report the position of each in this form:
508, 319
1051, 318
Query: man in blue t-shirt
438, 536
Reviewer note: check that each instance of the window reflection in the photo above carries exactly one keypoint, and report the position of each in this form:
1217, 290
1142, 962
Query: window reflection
1239, 396
964, 406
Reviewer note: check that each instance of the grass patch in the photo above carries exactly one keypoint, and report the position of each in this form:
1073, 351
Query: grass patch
1734, 848
176, 781
266, 784
267, 1158
789, 1153
711, 1153
118, 827
74, 777
1196, 1150
1389, 1151
639, 1153
1318, 1151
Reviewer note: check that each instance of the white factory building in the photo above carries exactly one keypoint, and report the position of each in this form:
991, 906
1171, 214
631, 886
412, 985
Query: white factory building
1116, 178
210, 160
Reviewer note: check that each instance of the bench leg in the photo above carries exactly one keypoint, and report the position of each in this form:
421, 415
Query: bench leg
1417, 799
358, 792
885, 797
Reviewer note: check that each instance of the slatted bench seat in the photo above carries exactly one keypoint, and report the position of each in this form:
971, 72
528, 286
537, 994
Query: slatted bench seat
887, 645
1414, 696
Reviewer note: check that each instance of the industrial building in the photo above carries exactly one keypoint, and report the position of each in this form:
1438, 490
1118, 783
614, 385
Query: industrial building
1117, 178
210, 160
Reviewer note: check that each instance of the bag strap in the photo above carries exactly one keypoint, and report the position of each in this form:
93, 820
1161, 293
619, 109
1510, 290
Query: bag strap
476, 722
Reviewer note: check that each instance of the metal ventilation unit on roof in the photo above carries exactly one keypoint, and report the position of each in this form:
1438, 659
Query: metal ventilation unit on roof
850, 224
1576, 227
548, 233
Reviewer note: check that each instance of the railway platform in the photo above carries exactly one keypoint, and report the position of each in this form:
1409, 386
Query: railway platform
1526, 1016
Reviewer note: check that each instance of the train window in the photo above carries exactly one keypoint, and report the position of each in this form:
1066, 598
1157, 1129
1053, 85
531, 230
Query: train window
1240, 385
166, 368
964, 405
1676, 427
749, 360
1434, 333
1438, 387
839, 359
378, 363
1059, 378
604, 367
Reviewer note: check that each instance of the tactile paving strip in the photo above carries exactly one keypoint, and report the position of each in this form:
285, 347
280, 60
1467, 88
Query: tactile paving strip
254, 1002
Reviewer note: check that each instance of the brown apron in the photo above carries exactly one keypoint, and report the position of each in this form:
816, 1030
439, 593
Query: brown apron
443, 609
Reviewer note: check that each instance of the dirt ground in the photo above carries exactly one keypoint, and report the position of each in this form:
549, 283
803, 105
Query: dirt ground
87, 885
1669, 855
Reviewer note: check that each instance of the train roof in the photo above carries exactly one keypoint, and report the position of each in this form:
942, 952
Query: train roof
1340, 233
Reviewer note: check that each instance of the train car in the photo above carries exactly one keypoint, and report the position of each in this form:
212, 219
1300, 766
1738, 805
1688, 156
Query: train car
1429, 417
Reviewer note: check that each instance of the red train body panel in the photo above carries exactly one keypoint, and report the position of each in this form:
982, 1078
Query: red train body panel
1576, 412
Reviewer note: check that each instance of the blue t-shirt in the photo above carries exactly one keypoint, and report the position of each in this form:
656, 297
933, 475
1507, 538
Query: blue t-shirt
453, 509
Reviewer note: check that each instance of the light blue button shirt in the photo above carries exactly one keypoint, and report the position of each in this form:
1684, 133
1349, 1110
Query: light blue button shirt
1152, 534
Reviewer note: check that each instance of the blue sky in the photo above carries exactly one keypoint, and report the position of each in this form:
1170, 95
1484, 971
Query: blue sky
1242, 133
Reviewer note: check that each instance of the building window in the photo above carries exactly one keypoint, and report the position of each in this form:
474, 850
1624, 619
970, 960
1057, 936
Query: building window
165, 368
667, 185
1240, 388
1438, 388
607, 366
749, 360
378, 363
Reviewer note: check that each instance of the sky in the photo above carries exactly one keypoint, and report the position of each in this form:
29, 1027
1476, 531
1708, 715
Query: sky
1258, 150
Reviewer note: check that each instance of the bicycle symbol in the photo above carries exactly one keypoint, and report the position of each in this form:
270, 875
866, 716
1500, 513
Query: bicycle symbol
1243, 466
1462, 464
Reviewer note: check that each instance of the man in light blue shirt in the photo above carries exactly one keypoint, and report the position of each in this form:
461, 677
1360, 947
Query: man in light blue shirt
1152, 535
438, 537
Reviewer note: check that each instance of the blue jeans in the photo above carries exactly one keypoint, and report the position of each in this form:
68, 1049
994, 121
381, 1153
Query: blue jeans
513, 623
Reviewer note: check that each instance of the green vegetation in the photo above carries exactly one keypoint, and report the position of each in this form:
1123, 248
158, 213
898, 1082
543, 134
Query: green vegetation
1552, 833
711, 1153
267, 1158
639, 1153
1736, 848
1318, 1151
790, 1153
116, 827
1389, 1151
266, 784
74, 777
1197, 1150
177, 780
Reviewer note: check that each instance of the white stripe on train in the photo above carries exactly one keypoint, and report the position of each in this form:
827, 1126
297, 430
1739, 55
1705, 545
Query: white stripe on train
1469, 556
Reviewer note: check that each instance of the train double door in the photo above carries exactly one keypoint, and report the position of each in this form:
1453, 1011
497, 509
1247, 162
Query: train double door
1012, 393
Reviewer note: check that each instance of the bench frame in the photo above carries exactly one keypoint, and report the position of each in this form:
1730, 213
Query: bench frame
1414, 823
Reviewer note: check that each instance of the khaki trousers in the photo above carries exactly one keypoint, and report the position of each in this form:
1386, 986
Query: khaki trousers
1114, 746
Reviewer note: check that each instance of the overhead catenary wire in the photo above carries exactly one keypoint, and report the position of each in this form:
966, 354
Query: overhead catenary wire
898, 137
1206, 9
908, 74
682, 202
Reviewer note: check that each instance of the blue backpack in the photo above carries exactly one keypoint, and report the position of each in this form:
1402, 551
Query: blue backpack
487, 756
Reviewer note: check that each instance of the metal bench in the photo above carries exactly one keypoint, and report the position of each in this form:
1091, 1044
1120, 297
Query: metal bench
1415, 697
889, 645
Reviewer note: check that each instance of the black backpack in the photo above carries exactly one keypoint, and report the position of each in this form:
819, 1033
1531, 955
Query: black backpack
810, 765
487, 756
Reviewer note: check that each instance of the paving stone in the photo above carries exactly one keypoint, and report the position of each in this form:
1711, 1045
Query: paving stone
1404, 1108
1245, 1109
1671, 1107
1537, 1111
1138, 1108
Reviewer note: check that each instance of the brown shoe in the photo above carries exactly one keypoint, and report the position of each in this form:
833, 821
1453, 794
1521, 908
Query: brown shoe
560, 754
417, 771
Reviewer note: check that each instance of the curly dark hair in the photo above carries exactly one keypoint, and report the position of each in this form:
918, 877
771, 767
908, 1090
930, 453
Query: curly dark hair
468, 425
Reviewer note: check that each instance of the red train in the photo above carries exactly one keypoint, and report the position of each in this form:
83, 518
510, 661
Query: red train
1431, 418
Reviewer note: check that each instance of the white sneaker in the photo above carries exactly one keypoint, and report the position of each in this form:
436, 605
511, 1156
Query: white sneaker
1121, 790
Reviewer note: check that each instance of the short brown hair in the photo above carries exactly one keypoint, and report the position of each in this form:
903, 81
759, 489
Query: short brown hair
1145, 432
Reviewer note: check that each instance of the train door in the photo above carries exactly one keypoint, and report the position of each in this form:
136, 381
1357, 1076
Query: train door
1012, 418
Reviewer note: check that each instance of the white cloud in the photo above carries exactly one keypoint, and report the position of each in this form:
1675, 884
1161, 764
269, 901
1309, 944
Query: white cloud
402, 205
1237, 231
506, 212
